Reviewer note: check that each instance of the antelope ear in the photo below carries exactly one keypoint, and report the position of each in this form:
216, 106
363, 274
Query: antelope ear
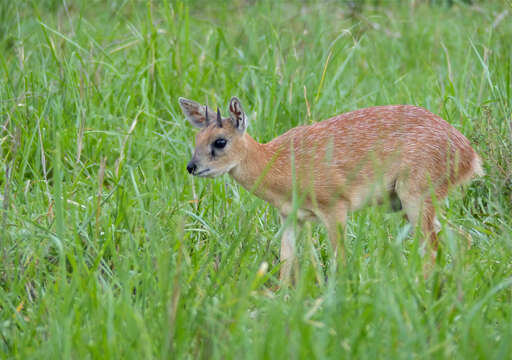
195, 113
238, 117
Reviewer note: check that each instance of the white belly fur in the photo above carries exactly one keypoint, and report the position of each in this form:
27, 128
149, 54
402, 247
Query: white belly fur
303, 214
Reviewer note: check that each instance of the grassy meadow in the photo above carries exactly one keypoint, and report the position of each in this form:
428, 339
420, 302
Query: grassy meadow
110, 250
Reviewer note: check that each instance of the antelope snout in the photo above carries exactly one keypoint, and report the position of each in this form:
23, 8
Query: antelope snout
191, 167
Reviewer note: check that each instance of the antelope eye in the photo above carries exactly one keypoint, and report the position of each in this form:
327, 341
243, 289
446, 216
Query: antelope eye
219, 143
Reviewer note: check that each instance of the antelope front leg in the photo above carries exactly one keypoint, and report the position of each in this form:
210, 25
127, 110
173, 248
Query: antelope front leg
287, 254
335, 220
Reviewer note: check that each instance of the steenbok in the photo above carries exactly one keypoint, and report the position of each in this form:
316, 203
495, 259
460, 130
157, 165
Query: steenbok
400, 152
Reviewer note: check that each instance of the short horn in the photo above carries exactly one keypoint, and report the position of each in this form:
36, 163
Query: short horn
219, 118
206, 120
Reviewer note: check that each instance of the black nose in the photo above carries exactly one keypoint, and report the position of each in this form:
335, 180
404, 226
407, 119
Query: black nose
191, 167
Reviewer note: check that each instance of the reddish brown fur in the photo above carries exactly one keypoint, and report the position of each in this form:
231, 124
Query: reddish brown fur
346, 161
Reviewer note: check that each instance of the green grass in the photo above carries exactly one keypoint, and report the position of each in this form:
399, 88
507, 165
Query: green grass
108, 249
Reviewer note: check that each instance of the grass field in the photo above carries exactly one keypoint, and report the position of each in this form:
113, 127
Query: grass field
109, 249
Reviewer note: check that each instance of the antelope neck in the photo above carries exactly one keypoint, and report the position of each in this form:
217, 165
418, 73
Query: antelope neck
253, 165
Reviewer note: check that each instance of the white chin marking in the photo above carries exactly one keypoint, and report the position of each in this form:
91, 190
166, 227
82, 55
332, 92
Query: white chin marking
213, 173
208, 174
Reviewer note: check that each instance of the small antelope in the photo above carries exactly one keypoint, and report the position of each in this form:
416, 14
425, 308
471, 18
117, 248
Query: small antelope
337, 165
